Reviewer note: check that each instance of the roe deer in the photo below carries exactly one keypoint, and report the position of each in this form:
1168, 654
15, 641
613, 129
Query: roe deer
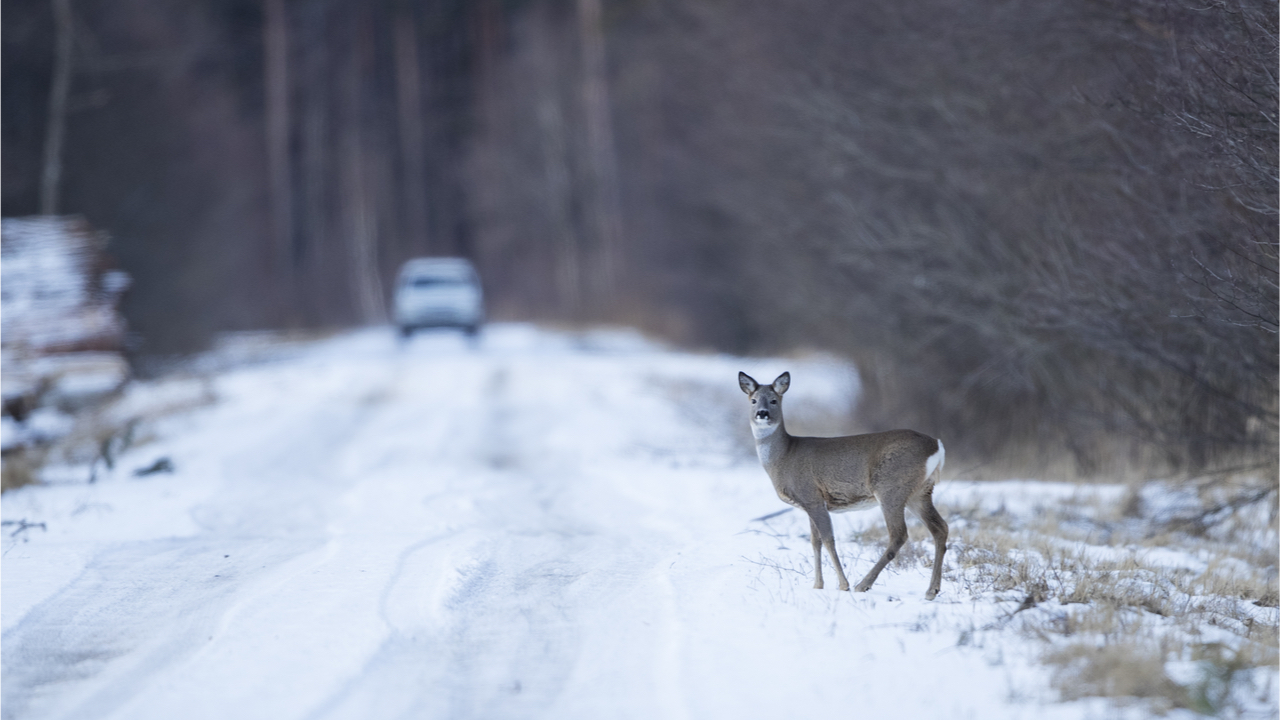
821, 475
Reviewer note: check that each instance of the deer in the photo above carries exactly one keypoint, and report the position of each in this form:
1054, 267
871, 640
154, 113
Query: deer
896, 469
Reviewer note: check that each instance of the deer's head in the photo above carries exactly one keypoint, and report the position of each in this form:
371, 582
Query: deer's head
766, 400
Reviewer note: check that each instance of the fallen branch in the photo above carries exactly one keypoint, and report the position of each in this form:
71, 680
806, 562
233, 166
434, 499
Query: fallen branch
23, 526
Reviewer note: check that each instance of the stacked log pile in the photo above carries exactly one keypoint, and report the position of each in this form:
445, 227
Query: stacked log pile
62, 336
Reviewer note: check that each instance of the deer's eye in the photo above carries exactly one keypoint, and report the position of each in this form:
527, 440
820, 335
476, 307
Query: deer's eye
773, 402
753, 401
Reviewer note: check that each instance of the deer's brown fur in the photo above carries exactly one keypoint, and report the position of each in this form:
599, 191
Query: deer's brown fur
820, 475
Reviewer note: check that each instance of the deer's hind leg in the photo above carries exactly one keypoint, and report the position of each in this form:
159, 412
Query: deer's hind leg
896, 520
923, 507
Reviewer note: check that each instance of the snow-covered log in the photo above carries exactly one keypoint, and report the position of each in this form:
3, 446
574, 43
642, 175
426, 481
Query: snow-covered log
59, 294
61, 334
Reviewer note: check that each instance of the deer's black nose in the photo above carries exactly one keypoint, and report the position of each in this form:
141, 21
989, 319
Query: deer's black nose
762, 414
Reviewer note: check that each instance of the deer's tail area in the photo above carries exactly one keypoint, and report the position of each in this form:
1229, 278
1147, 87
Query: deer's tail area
933, 464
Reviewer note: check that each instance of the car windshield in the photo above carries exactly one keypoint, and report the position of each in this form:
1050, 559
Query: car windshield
423, 281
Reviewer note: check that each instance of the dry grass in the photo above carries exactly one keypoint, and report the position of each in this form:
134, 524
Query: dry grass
1122, 670
98, 436
1115, 595
21, 467
1116, 592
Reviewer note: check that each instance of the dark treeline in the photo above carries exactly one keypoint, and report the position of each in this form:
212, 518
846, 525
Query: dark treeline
258, 164
1043, 230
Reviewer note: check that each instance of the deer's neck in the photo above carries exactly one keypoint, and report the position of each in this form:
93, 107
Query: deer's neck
771, 443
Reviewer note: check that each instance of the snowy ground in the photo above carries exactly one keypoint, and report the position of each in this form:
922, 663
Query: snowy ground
545, 525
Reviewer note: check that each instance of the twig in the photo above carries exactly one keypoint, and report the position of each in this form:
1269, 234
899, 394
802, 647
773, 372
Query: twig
23, 525
772, 515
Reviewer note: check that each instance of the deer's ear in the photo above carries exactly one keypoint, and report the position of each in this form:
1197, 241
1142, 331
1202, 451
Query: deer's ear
747, 383
782, 383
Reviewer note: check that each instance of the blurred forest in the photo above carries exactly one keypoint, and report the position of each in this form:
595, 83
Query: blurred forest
1043, 230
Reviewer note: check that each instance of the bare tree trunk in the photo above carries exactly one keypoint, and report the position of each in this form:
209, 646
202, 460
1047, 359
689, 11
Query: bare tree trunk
605, 202
558, 187
558, 194
64, 44
276, 52
318, 166
413, 194
362, 232
361, 211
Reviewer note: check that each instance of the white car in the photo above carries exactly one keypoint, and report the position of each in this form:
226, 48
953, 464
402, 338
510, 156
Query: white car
438, 292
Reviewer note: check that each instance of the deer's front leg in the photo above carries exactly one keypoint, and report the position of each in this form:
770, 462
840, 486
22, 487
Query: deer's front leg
820, 520
817, 554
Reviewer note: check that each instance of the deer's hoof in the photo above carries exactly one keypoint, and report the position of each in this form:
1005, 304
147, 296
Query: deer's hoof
862, 587
817, 585
931, 594
844, 586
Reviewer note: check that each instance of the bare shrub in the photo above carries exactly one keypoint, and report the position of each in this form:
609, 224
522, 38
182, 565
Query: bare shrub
1060, 245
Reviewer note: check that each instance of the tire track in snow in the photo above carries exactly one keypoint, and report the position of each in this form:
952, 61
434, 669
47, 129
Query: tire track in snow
290, 629
503, 634
669, 667
133, 611
454, 599
141, 607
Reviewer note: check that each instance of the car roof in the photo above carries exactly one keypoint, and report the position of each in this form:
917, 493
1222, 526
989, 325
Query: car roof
453, 267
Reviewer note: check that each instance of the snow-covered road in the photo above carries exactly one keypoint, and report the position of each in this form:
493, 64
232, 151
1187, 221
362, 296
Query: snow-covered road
546, 525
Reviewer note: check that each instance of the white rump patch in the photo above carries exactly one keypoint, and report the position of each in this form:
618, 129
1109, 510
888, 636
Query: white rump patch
935, 460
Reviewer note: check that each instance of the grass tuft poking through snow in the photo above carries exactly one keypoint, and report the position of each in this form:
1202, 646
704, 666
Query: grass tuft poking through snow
1120, 604
1123, 607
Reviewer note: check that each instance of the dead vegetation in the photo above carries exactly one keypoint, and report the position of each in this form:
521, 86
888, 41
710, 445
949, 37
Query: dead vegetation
1127, 600
20, 468
96, 439
1124, 670
1117, 595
